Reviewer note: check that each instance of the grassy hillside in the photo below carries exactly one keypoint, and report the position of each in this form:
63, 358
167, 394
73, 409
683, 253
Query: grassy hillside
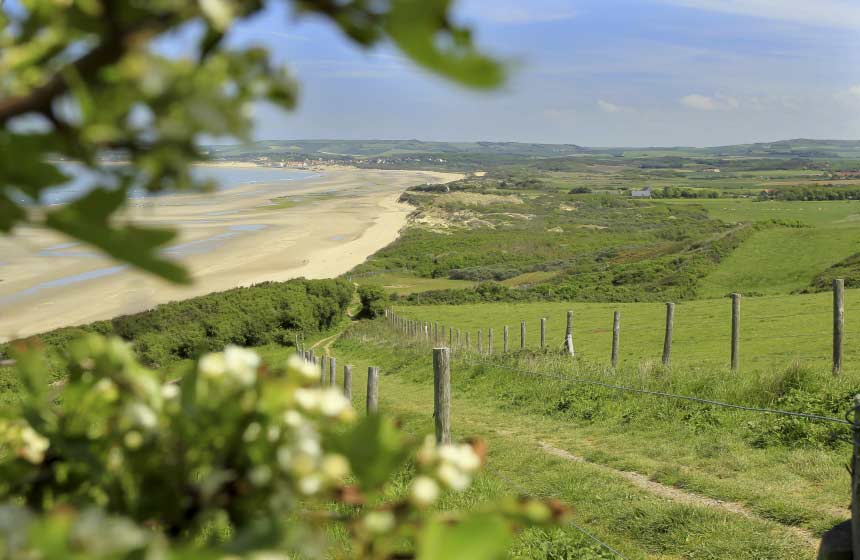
581, 445
782, 260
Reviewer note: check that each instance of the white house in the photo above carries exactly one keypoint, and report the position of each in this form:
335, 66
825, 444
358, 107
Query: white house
641, 194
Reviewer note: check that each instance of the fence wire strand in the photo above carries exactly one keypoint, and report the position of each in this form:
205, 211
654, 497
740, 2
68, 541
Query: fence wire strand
624, 388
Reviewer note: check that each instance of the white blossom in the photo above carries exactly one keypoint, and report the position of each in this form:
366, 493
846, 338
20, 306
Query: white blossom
310, 447
424, 491
335, 467
170, 391
461, 456
333, 403
141, 415
106, 389
33, 445
310, 484
379, 521
212, 365
133, 439
218, 12
305, 369
308, 399
241, 364
452, 477
293, 418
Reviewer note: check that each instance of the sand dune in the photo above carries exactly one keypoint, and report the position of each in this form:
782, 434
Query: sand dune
232, 238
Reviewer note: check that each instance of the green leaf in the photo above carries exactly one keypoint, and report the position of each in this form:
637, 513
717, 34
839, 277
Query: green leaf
375, 449
10, 213
88, 219
421, 29
23, 165
478, 537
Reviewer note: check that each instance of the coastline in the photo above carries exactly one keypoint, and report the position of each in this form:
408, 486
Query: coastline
228, 239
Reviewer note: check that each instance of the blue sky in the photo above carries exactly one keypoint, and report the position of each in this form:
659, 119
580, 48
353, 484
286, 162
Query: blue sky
589, 72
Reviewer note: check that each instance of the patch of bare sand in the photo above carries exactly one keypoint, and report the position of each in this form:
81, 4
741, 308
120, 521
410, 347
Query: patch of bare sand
226, 240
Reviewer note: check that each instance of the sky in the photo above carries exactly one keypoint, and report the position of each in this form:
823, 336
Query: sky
587, 72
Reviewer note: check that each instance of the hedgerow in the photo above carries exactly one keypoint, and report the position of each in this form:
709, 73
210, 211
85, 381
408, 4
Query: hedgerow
271, 312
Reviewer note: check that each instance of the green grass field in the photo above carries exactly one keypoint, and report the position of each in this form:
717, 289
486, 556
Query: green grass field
788, 494
402, 284
781, 260
776, 331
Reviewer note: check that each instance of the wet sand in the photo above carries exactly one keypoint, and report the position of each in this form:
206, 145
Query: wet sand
227, 239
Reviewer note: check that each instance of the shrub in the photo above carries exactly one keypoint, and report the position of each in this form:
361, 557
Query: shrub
119, 464
256, 315
373, 300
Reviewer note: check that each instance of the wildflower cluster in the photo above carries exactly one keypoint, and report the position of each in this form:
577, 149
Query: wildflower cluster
449, 465
164, 457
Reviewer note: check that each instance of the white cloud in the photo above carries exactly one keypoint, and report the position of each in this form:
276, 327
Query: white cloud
608, 107
700, 102
830, 13
518, 11
557, 114
718, 102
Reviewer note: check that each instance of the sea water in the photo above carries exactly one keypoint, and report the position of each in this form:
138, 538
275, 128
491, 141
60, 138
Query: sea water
82, 180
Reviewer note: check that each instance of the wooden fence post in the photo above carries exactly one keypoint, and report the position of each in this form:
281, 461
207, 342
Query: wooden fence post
838, 323
736, 332
322, 370
442, 394
480, 342
436, 332
372, 390
450, 337
616, 334
542, 333
522, 335
505, 336
667, 338
468, 341
347, 382
855, 483
489, 341
568, 335
332, 371
458, 339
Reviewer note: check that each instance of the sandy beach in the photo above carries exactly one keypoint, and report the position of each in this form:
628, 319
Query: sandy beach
316, 227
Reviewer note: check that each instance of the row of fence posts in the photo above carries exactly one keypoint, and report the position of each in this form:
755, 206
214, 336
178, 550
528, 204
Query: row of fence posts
435, 333
372, 401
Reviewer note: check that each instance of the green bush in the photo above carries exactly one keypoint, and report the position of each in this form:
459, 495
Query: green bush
252, 316
233, 459
373, 299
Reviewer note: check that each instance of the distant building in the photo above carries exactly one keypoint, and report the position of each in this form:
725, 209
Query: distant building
646, 193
